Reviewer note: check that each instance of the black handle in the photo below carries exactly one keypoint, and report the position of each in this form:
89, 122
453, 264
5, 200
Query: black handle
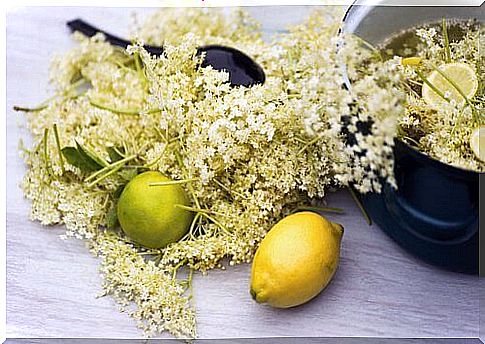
89, 31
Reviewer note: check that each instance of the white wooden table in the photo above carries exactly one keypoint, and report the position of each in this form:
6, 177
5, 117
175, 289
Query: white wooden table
378, 291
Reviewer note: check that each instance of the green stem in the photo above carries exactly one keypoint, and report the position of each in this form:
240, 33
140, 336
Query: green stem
109, 167
46, 102
454, 84
174, 182
139, 68
197, 210
176, 267
323, 209
46, 155
119, 153
313, 141
58, 144
224, 187
217, 223
459, 90
131, 112
189, 186
189, 280
147, 253
436, 90
361, 207
446, 42
26, 109
113, 168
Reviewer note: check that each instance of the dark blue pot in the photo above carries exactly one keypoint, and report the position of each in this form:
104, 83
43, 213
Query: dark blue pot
434, 212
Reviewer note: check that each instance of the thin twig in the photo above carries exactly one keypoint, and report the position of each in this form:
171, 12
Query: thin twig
174, 182
58, 144
46, 155
113, 168
361, 207
130, 112
446, 42
433, 87
322, 209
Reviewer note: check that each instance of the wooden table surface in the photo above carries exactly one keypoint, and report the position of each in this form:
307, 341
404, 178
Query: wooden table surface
379, 289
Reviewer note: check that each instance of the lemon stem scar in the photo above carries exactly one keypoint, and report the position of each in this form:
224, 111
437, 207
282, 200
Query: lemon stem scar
253, 294
174, 182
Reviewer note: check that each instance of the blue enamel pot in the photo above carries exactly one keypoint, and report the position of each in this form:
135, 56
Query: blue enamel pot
434, 212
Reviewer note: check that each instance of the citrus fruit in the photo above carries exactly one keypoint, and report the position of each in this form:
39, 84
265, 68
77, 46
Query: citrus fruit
149, 214
296, 260
411, 61
462, 74
477, 142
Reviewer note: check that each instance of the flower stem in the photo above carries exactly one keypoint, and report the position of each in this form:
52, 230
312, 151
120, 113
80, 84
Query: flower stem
174, 182
217, 223
58, 144
446, 41
456, 87
197, 210
113, 168
46, 154
361, 207
131, 112
433, 87
322, 209
26, 109
313, 141
228, 189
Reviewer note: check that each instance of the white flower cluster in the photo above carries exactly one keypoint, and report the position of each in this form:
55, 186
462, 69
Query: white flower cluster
444, 133
254, 154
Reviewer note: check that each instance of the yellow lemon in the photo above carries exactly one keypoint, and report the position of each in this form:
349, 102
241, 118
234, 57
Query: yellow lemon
149, 214
477, 142
296, 260
461, 74
411, 61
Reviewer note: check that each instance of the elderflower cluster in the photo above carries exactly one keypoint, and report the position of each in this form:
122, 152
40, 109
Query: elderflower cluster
444, 133
253, 154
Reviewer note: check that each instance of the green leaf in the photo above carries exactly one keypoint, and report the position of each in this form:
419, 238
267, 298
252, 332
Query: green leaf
80, 160
88, 155
119, 191
112, 218
114, 156
128, 174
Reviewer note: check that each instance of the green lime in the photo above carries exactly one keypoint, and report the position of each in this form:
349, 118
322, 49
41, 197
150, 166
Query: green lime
149, 215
